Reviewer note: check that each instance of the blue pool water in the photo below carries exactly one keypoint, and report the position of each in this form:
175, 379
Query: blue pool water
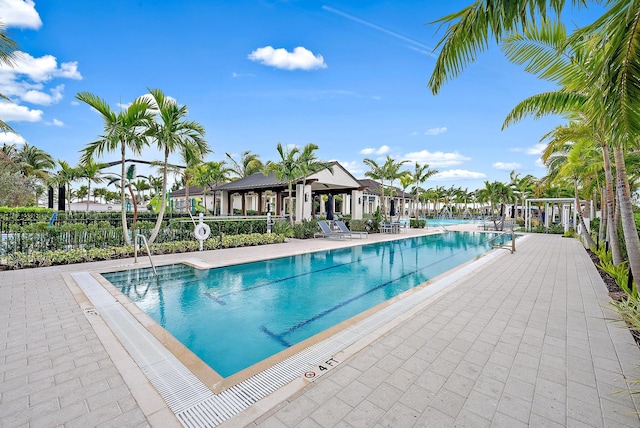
236, 316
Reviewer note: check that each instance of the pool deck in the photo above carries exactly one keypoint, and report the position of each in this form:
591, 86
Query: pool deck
526, 339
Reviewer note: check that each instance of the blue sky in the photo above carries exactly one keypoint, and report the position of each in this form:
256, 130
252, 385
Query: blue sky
348, 76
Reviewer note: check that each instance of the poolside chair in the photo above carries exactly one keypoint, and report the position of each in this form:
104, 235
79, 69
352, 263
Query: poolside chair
326, 232
343, 228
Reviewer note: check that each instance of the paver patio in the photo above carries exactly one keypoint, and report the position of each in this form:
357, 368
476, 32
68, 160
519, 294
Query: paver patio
525, 340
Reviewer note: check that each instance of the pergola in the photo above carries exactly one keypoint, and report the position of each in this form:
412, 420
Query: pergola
568, 207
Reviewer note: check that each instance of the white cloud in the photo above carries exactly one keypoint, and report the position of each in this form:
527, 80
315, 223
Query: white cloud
42, 98
11, 138
379, 151
20, 13
436, 131
506, 166
41, 69
57, 122
540, 164
300, 58
536, 149
354, 167
458, 174
435, 159
10, 112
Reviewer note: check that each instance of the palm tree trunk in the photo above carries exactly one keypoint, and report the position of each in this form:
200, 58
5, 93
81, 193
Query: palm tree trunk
603, 215
612, 224
88, 193
585, 232
163, 204
631, 238
123, 208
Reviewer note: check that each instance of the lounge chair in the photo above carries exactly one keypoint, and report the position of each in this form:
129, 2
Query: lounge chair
326, 232
343, 228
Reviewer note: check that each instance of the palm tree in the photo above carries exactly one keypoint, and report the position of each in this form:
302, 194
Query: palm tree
406, 180
287, 169
92, 172
248, 165
64, 177
376, 172
420, 174
124, 130
612, 90
574, 161
390, 170
310, 164
210, 174
571, 63
172, 132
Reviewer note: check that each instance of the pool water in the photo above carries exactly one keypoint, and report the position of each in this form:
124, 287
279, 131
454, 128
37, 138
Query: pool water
236, 316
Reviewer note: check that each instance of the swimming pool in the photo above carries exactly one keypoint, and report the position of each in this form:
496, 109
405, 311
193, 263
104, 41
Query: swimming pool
237, 316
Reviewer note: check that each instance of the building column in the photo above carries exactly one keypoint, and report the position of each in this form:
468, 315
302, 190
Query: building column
224, 201
357, 201
303, 199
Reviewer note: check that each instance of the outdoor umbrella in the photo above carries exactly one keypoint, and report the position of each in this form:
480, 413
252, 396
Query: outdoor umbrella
330, 207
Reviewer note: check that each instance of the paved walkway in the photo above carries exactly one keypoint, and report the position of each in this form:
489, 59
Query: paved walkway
523, 341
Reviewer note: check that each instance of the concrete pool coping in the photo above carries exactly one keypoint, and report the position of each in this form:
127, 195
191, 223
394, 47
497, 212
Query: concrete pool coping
191, 403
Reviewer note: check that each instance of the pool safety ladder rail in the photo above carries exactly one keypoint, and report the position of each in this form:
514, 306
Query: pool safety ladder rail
512, 247
146, 245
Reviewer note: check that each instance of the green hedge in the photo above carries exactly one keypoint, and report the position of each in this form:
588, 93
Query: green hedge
35, 259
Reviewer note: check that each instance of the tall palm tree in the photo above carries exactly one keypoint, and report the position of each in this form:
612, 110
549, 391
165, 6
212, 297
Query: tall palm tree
286, 169
548, 53
612, 91
123, 130
249, 164
573, 161
421, 173
376, 172
310, 164
392, 171
171, 133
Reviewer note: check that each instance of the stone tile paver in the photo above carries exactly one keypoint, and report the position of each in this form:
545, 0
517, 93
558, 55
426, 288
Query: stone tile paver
526, 340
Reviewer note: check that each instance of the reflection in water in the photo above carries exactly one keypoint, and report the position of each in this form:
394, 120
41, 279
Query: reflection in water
236, 316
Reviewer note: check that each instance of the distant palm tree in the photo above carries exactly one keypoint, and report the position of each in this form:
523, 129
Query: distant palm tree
210, 174
287, 169
123, 130
171, 133
64, 177
92, 172
310, 164
420, 174
249, 164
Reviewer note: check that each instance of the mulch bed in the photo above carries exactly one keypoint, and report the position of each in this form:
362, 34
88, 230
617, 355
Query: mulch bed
615, 292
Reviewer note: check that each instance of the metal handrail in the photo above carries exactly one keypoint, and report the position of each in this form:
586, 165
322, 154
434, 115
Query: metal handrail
513, 240
146, 244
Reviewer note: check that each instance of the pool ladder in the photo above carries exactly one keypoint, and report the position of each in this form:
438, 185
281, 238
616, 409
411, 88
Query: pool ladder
146, 244
512, 247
